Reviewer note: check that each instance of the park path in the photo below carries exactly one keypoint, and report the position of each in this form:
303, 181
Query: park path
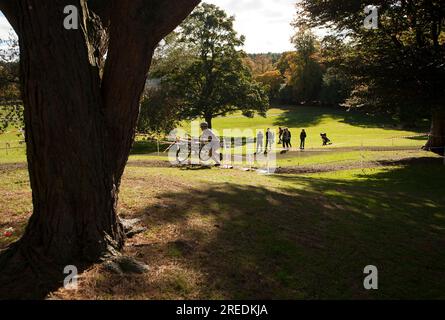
300, 169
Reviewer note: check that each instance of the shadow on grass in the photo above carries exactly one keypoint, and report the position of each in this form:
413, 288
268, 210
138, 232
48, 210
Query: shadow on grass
309, 237
301, 117
309, 116
420, 138
147, 147
196, 167
312, 237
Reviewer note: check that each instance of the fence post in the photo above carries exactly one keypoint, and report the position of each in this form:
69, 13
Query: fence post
157, 141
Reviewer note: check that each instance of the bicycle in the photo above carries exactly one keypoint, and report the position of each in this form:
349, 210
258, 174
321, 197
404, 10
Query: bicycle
185, 147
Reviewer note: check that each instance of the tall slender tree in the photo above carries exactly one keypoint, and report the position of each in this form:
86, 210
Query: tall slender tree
306, 73
217, 81
81, 91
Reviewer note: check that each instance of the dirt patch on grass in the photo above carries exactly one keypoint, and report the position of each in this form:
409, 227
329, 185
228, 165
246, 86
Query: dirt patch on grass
4, 167
150, 164
245, 236
346, 165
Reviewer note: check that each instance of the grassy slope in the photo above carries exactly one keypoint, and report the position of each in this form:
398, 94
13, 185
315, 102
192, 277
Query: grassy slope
233, 234
17, 154
346, 129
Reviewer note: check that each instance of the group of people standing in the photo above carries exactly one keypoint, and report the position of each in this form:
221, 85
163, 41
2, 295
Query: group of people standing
270, 140
285, 137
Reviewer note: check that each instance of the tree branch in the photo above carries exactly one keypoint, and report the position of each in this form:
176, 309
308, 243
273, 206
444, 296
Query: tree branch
136, 28
101, 8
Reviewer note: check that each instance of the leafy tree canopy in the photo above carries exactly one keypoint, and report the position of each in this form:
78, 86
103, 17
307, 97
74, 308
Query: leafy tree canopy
397, 66
216, 81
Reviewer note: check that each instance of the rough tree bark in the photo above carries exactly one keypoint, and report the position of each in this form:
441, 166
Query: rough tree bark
436, 141
80, 117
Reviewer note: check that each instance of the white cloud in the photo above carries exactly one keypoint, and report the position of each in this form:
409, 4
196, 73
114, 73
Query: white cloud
5, 27
265, 23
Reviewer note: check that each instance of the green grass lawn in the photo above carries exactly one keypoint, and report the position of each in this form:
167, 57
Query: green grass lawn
238, 235
231, 234
12, 148
345, 129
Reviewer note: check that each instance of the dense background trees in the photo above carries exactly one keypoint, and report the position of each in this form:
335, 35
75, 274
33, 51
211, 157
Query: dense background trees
306, 72
261, 63
11, 107
309, 75
160, 110
398, 67
159, 113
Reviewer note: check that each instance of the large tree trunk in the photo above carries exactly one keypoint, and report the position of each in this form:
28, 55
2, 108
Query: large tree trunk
74, 190
79, 130
70, 163
436, 141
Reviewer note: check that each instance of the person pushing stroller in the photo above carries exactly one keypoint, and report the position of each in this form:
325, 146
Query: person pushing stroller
325, 139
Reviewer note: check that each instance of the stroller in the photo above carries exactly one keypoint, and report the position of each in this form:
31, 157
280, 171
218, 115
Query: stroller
325, 139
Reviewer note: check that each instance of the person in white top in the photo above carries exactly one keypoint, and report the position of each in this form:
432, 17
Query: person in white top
212, 140
259, 142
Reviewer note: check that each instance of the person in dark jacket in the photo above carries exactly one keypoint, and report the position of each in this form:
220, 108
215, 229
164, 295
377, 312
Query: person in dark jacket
287, 136
280, 135
303, 136
270, 140
325, 139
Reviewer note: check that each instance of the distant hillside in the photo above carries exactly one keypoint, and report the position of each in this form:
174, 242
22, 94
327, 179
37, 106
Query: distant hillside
274, 57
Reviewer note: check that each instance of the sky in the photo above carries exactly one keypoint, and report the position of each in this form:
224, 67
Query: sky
4, 27
264, 23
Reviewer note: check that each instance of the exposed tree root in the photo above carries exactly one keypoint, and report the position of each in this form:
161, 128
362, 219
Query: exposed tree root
27, 274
